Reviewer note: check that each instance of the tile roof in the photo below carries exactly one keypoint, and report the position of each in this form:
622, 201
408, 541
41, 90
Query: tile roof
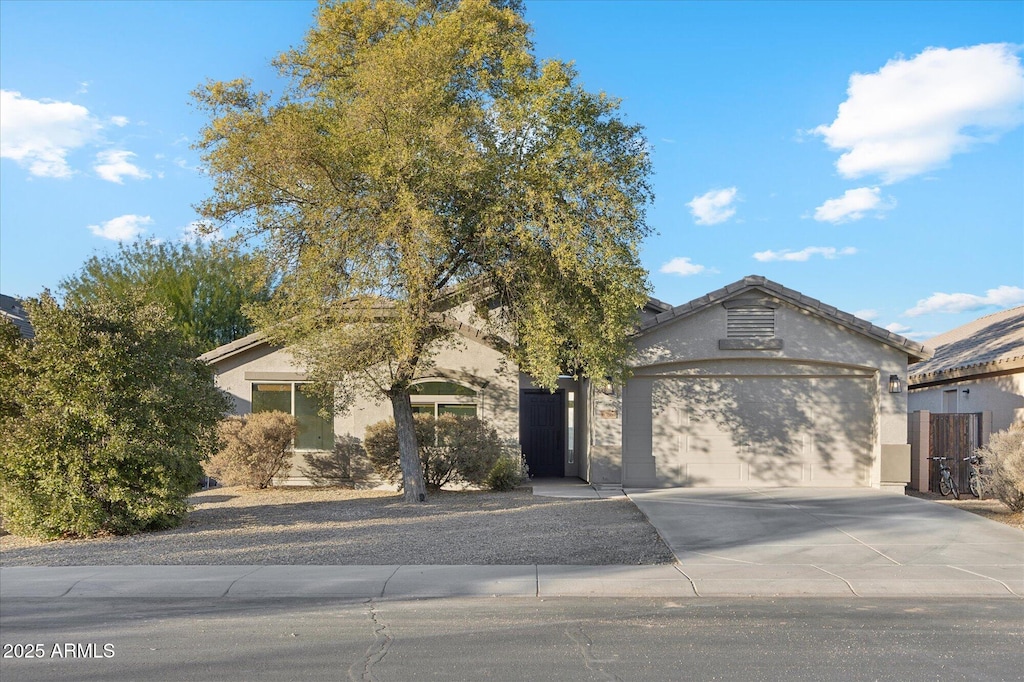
11, 309
916, 351
989, 344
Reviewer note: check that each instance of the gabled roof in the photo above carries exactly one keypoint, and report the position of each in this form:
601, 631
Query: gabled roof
916, 351
11, 309
993, 343
235, 347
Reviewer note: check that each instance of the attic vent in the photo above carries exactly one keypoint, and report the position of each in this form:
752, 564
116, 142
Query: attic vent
750, 322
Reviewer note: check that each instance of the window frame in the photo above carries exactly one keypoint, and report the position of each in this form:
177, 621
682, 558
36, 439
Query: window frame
291, 402
439, 401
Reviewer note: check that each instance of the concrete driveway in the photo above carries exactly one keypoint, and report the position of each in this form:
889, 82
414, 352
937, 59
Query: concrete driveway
832, 542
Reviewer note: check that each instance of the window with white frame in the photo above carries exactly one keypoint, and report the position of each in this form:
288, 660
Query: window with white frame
443, 397
315, 432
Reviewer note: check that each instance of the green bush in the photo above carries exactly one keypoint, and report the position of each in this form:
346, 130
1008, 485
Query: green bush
253, 448
510, 470
453, 449
1003, 468
105, 420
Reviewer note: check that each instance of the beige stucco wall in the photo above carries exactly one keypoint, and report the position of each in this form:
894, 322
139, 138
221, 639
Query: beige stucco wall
467, 361
1003, 395
827, 387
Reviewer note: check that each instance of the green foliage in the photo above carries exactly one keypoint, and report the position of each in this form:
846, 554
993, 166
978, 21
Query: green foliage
253, 448
109, 419
453, 449
203, 287
509, 471
421, 158
1003, 467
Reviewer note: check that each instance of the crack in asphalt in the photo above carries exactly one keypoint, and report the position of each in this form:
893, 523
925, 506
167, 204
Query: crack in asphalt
362, 670
593, 664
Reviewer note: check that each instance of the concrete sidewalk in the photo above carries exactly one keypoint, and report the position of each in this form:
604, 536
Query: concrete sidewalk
356, 582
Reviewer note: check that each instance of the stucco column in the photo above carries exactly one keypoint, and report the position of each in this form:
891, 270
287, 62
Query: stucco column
605, 435
638, 466
919, 431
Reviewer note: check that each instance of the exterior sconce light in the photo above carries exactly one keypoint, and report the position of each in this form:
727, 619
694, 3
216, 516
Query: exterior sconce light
894, 384
967, 391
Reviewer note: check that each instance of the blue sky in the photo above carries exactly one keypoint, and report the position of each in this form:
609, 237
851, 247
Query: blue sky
870, 155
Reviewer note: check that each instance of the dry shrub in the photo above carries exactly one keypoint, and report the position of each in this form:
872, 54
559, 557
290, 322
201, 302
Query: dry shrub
1003, 468
254, 448
453, 449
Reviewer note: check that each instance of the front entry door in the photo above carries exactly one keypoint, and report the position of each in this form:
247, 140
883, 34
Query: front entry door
542, 431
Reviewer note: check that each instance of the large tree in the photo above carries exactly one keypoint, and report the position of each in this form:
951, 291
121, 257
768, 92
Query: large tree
105, 419
421, 159
203, 287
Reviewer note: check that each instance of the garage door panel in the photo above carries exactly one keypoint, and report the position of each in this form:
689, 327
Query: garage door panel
711, 473
763, 430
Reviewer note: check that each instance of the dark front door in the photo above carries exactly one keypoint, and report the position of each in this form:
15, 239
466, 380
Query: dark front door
542, 431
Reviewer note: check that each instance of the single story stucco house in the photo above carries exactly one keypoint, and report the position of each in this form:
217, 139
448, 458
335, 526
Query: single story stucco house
750, 385
977, 367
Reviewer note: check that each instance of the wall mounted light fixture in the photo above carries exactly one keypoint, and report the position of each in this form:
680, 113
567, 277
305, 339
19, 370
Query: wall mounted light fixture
895, 386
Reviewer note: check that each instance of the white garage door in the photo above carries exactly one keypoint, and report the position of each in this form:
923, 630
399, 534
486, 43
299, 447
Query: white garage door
813, 431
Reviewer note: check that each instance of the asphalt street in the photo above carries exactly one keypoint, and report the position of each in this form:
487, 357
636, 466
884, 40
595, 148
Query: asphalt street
513, 639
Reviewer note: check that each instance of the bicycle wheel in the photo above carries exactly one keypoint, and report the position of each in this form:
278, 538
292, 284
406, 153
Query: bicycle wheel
953, 489
975, 483
944, 485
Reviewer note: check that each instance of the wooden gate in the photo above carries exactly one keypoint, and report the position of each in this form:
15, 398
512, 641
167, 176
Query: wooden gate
955, 436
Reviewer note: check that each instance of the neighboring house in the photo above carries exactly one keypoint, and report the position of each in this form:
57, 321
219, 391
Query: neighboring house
11, 309
751, 385
978, 367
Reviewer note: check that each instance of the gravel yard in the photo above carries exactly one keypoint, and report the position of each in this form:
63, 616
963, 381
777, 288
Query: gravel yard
337, 526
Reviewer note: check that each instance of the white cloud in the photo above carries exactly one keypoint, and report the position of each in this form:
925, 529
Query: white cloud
897, 328
119, 121
828, 252
713, 207
114, 165
123, 228
201, 231
868, 314
1002, 297
913, 114
40, 134
682, 267
853, 205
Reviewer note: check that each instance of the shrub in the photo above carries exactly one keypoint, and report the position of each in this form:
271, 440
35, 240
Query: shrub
254, 448
510, 470
1003, 468
453, 449
105, 420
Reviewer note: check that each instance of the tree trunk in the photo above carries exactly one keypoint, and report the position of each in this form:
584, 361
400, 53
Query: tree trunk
409, 456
